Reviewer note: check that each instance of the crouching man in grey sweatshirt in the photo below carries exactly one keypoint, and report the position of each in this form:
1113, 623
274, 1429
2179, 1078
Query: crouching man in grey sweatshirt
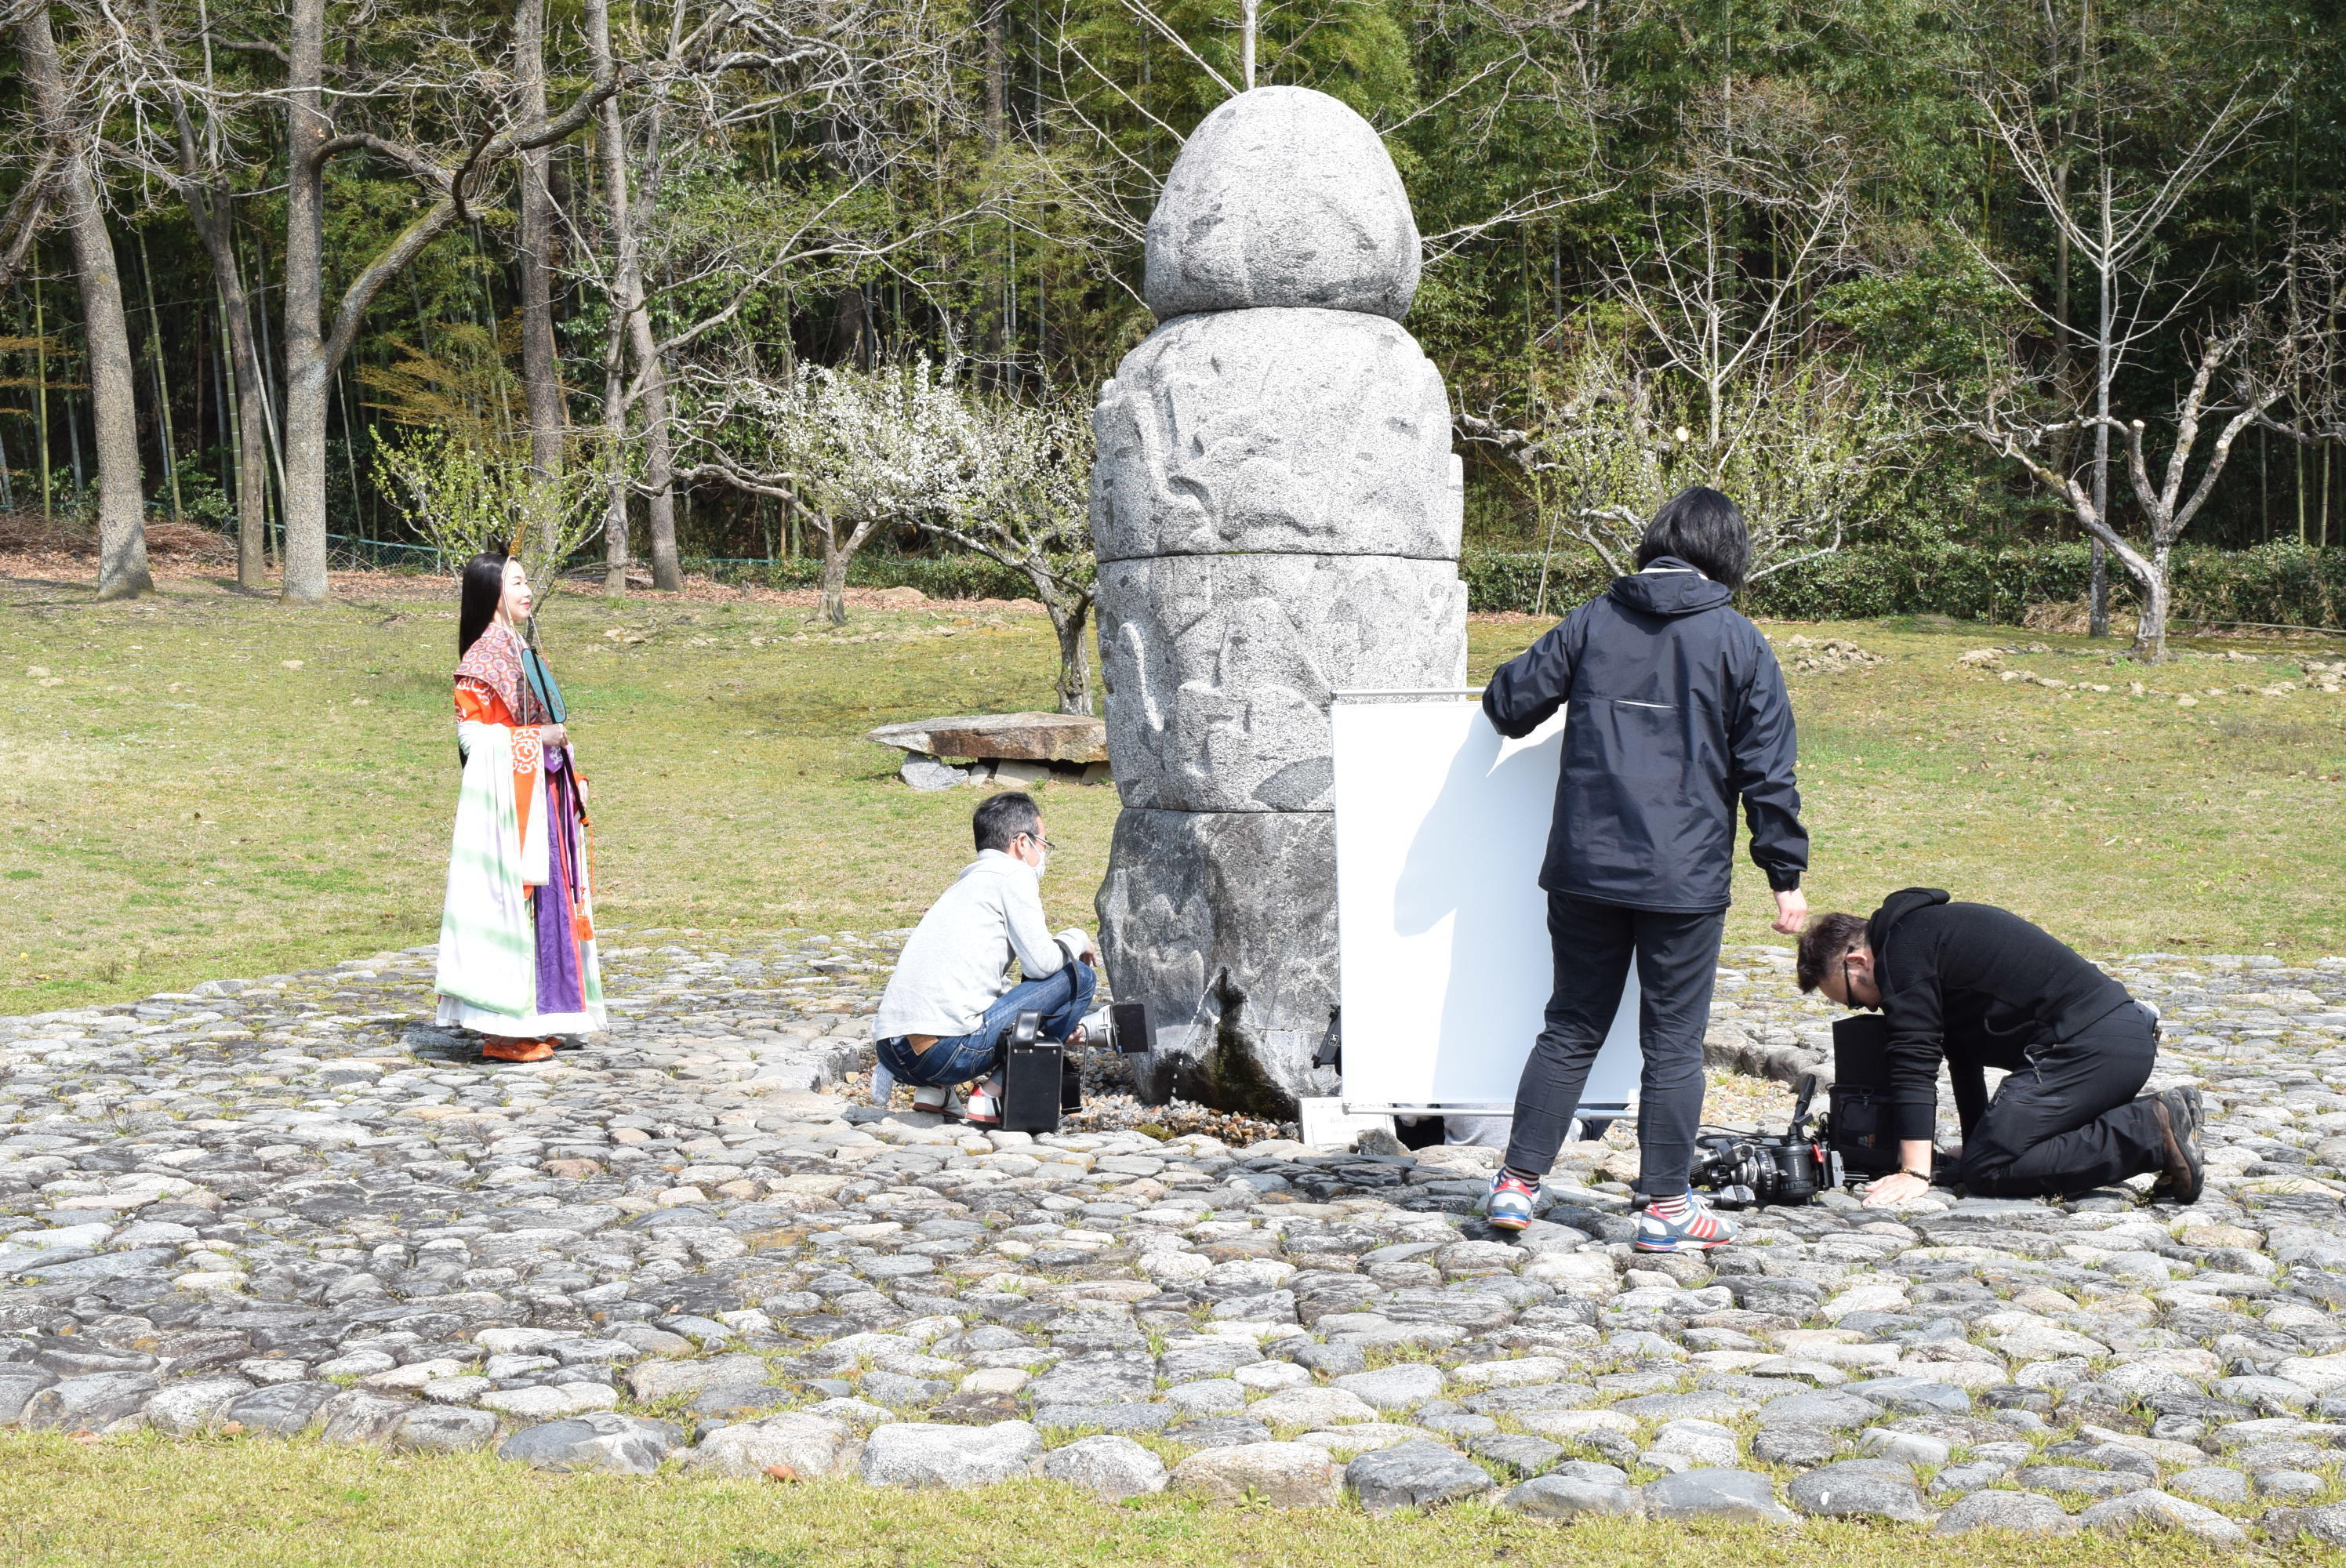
950, 1003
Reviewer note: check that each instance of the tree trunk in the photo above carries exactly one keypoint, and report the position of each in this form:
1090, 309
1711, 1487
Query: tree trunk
541, 373
2097, 618
1069, 623
2150, 630
611, 146
209, 212
121, 488
309, 380
834, 575
659, 461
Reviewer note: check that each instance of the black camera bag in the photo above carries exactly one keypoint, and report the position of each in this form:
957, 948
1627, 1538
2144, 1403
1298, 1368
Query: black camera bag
1863, 1124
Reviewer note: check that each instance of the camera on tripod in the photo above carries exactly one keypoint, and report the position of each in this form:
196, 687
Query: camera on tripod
1745, 1169
1042, 1080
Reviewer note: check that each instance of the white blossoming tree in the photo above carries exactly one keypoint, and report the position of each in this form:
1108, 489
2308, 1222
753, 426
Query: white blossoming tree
1025, 502
852, 449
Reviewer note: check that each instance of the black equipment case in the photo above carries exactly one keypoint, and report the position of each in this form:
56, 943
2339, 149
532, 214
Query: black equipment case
1863, 1122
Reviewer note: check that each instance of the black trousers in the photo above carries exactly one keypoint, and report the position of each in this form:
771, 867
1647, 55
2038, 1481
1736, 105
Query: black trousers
1677, 961
2068, 1121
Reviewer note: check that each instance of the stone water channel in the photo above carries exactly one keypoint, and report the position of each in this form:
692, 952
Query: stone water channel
283, 1206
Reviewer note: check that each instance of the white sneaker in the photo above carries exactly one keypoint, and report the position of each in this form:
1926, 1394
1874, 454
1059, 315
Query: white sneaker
984, 1106
931, 1099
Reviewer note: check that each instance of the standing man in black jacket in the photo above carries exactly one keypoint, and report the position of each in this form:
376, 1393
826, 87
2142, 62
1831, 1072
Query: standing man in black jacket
1979, 987
1675, 710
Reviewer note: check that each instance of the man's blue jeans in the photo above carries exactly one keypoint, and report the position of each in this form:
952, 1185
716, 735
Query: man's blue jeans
1061, 997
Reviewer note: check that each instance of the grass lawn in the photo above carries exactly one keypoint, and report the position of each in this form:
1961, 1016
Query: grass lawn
263, 1503
201, 785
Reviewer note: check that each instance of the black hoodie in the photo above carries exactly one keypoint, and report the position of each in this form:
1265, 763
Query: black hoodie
1978, 985
1677, 710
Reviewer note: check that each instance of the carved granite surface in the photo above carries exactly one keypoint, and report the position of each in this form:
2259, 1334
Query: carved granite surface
1277, 512
1357, 461
1282, 196
1225, 924
1222, 667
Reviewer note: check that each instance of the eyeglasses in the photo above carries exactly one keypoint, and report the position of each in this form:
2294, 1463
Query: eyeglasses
1044, 843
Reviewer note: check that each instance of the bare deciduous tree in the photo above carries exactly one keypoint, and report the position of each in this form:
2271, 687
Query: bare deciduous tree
1723, 378
60, 114
2115, 232
2243, 372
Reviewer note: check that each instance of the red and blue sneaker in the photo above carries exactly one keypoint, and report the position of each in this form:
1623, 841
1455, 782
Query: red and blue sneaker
1509, 1206
1681, 1223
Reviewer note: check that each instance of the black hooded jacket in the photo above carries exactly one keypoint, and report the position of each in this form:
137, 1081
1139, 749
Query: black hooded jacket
1978, 985
1677, 710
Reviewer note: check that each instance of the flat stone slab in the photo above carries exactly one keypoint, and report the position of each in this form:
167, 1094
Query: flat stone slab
1738, 1494
1014, 737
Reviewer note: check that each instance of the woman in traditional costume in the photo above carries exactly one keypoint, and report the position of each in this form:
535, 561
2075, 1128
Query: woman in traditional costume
516, 935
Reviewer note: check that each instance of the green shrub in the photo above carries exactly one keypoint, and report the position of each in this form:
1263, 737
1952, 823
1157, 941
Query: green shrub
2281, 583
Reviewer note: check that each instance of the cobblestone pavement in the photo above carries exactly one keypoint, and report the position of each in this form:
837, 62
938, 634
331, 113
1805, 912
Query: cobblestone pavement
283, 1205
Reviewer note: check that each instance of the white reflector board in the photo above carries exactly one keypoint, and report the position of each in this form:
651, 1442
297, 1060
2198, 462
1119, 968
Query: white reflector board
1441, 825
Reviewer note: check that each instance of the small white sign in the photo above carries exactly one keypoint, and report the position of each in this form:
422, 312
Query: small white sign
1326, 1125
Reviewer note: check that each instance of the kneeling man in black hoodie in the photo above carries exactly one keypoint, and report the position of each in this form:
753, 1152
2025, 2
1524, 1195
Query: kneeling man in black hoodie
1979, 987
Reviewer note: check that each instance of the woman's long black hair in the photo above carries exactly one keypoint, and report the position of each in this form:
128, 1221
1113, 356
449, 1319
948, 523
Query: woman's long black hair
1704, 529
484, 589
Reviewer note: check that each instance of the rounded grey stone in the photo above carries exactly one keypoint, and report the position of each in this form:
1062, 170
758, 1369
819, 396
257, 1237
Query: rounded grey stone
1795, 1443
2149, 1510
444, 1429
1276, 432
1829, 1409
1282, 196
925, 772
284, 1408
2285, 1483
1111, 1468
1094, 1379
18, 1383
1710, 1493
1918, 1396
1414, 1474
90, 1401
599, 1439
2023, 1512
183, 1410
920, 1456
1396, 1388
2211, 1483
1858, 1489
1524, 1454
355, 1416
810, 1446
2326, 1524
1566, 1497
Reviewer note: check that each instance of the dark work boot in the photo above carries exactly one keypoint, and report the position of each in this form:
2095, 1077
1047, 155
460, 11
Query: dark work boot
2183, 1174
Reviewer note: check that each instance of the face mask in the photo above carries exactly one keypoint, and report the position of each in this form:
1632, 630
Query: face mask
1042, 864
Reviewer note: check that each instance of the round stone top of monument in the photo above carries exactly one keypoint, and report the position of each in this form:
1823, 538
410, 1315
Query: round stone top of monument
1282, 196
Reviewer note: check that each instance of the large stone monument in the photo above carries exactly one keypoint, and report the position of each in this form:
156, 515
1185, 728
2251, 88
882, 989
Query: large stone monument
1276, 511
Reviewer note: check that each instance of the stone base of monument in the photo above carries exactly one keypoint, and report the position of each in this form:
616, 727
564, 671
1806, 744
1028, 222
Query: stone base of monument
922, 771
1011, 749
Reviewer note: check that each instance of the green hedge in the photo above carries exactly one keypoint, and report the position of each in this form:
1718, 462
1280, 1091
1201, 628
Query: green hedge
2273, 584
